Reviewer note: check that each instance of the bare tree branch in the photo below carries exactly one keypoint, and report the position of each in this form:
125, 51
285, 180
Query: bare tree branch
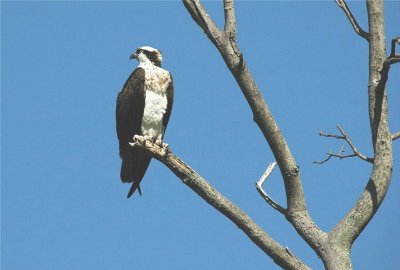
203, 188
263, 117
393, 58
393, 47
341, 156
349, 142
330, 154
263, 194
333, 247
351, 226
342, 4
384, 72
297, 213
356, 152
201, 17
377, 100
321, 133
395, 136
230, 19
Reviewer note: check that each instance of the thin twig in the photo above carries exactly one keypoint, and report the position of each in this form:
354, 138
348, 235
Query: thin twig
339, 155
395, 136
342, 4
342, 156
356, 152
263, 194
330, 155
330, 135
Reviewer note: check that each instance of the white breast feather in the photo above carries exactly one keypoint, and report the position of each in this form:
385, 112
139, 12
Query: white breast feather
156, 84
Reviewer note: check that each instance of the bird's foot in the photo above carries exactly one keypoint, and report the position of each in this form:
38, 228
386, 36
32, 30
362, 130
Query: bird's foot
148, 138
161, 144
136, 137
142, 139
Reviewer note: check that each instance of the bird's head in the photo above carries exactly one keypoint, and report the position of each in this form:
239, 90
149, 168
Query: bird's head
146, 54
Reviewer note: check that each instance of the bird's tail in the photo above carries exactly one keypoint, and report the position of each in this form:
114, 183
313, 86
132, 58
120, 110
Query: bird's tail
135, 185
133, 168
127, 176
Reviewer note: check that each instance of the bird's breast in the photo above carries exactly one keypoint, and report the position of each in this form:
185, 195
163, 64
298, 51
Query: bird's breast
156, 78
154, 110
156, 83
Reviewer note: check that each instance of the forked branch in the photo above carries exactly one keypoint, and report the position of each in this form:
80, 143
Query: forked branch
393, 58
358, 217
330, 155
296, 213
344, 136
263, 194
287, 260
343, 5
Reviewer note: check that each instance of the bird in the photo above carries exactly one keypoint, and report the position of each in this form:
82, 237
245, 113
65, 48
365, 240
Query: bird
143, 108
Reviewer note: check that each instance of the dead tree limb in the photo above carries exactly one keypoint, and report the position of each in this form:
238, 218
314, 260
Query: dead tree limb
296, 213
343, 5
395, 136
393, 58
203, 188
333, 247
330, 155
354, 222
345, 137
393, 46
264, 194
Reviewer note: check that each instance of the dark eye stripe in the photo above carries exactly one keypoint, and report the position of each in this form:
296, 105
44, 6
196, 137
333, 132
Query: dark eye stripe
153, 57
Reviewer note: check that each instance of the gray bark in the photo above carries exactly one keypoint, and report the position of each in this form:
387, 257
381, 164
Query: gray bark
362, 212
281, 255
332, 247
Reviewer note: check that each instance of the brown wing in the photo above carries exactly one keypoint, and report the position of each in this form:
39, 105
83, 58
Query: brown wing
129, 110
129, 114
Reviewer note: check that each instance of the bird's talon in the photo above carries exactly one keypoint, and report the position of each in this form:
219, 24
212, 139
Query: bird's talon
135, 138
161, 144
148, 138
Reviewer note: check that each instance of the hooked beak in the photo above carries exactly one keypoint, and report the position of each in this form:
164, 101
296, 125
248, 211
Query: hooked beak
133, 56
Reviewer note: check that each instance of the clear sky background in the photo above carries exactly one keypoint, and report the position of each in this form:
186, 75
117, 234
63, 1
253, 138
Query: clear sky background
62, 64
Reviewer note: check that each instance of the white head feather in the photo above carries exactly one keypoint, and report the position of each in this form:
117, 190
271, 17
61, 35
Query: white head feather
154, 50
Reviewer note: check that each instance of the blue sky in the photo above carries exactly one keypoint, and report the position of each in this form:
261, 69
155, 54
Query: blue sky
62, 65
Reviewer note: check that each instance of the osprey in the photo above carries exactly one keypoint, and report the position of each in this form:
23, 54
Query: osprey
143, 108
